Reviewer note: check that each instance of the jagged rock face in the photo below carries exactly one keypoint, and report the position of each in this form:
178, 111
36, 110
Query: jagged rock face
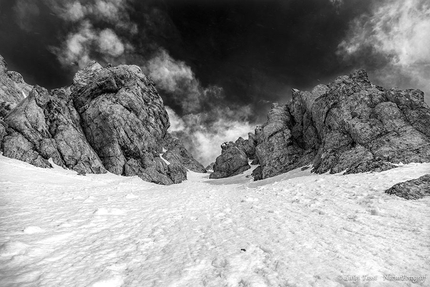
125, 121
362, 128
175, 152
123, 117
232, 161
347, 126
210, 166
13, 89
412, 189
45, 126
247, 146
177, 172
110, 119
234, 157
277, 149
2, 133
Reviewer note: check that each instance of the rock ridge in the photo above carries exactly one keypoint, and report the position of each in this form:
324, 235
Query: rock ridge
109, 120
348, 126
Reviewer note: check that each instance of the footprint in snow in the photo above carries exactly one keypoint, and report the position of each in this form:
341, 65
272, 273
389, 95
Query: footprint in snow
114, 281
219, 215
89, 199
110, 211
33, 230
249, 199
248, 267
117, 267
131, 196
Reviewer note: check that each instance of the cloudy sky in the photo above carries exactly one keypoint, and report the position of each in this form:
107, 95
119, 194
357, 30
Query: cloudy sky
219, 64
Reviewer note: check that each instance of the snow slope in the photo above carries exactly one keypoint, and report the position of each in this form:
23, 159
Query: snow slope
298, 229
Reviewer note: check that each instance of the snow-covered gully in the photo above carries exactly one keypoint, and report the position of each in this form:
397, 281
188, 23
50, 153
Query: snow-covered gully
298, 229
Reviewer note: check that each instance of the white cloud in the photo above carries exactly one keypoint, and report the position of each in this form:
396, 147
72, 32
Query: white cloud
203, 140
178, 80
176, 123
399, 30
337, 3
110, 43
79, 46
207, 142
205, 125
108, 9
74, 11
113, 11
167, 72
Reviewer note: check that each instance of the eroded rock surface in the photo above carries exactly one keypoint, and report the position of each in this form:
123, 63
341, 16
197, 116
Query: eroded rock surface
46, 126
175, 152
110, 119
347, 126
232, 161
13, 89
412, 189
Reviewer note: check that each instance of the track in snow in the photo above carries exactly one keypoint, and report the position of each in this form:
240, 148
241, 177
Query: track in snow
296, 229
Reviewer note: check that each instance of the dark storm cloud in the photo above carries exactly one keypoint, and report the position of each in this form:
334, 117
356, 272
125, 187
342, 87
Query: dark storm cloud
27, 30
258, 49
392, 42
217, 64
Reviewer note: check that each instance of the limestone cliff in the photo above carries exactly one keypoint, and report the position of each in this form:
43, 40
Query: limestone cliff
110, 119
349, 126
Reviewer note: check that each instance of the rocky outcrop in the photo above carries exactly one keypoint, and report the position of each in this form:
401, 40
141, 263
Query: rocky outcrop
175, 152
234, 157
123, 119
412, 189
46, 126
210, 167
347, 126
277, 150
110, 119
247, 146
13, 89
232, 161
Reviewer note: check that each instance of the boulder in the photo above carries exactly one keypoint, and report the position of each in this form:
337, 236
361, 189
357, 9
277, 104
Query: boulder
278, 150
124, 120
122, 115
412, 189
247, 146
232, 161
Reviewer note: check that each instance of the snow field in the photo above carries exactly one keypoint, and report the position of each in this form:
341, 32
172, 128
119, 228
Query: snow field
298, 229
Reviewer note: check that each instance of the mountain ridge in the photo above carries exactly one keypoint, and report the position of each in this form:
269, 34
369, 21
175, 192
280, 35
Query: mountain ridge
109, 119
349, 126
